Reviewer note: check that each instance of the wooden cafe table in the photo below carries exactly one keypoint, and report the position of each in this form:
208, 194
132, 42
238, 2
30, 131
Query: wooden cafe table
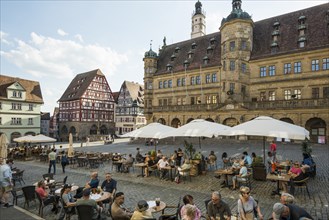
142, 166
226, 173
154, 208
278, 178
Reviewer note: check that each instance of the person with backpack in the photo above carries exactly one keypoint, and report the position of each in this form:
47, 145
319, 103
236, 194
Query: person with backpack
64, 161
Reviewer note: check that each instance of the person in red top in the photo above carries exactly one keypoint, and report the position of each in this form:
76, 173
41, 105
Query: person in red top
46, 197
273, 150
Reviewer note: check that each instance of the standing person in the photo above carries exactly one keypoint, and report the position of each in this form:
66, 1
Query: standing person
52, 160
217, 207
64, 161
161, 165
180, 155
117, 210
6, 183
273, 149
247, 206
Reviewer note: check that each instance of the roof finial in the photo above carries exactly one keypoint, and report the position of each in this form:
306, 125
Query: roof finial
151, 45
236, 4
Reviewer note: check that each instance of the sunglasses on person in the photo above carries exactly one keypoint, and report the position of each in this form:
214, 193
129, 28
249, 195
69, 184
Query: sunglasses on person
247, 193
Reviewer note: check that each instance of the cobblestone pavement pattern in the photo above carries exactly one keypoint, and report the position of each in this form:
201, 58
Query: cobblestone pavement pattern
137, 188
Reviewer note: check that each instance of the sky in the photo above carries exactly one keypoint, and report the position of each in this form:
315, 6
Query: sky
52, 41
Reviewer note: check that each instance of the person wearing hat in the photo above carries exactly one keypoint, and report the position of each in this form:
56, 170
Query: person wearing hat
90, 202
241, 176
6, 184
289, 211
287, 198
142, 211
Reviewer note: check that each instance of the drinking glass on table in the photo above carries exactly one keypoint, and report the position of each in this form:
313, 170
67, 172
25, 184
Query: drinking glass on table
157, 201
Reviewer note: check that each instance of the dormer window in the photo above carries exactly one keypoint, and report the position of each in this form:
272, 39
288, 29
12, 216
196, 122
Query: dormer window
173, 57
209, 50
205, 60
302, 22
301, 41
169, 67
190, 54
177, 49
194, 45
212, 41
186, 63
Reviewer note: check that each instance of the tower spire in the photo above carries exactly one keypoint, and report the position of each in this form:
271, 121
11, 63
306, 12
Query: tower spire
236, 5
198, 21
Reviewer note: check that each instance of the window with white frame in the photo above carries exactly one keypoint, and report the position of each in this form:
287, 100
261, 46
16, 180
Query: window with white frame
165, 84
232, 65
297, 94
183, 81
262, 96
208, 99
214, 77
30, 121
170, 83
16, 121
315, 66
214, 99
232, 45
208, 78
243, 67
298, 67
271, 70
179, 82
179, 101
271, 95
262, 71
198, 80
287, 94
325, 63
160, 85
192, 80
287, 68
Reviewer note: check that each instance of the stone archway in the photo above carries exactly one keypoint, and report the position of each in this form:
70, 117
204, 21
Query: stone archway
288, 120
73, 130
210, 119
30, 133
189, 120
93, 130
175, 123
162, 121
14, 135
104, 130
230, 122
317, 129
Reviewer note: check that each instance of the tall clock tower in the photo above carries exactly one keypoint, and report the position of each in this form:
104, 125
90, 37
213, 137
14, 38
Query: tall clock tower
198, 21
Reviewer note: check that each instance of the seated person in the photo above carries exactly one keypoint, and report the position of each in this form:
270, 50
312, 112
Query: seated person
308, 160
92, 184
218, 207
139, 157
127, 163
190, 212
236, 165
151, 165
226, 160
241, 176
68, 201
109, 185
289, 211
162, 164
117, 210
90, 202
46, 197
212, 158
188, 200
185, 167
297, 174
142, 211
117, 157
159, 154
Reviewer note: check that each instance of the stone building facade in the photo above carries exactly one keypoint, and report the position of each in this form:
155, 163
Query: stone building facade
277, 67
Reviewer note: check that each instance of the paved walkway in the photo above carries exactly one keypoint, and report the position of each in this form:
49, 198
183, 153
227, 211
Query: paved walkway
200, 187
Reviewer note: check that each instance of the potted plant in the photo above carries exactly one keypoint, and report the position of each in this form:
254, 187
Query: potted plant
258, 169
189, 150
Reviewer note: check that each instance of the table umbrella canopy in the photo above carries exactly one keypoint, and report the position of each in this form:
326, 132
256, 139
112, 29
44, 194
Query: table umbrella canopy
270, 127
153, 130
3, 145
199, 128
40, 138
71, 150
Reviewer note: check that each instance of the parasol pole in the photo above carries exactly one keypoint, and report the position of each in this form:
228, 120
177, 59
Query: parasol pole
264, 149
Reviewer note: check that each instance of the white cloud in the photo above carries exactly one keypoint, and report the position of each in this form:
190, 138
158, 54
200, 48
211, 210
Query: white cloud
61, 32
49, 57
79, 37
3, 37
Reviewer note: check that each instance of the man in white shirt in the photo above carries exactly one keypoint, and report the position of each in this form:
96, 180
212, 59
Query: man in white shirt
162, 163
5, 182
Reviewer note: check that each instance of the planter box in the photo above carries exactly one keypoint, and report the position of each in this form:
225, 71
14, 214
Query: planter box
259, 172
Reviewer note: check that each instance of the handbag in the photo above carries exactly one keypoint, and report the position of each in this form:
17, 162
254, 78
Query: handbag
250, 215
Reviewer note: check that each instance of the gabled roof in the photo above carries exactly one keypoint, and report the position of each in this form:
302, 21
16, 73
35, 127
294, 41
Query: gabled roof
136, 91
199, 53
317, 32
32, 88
79, 85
